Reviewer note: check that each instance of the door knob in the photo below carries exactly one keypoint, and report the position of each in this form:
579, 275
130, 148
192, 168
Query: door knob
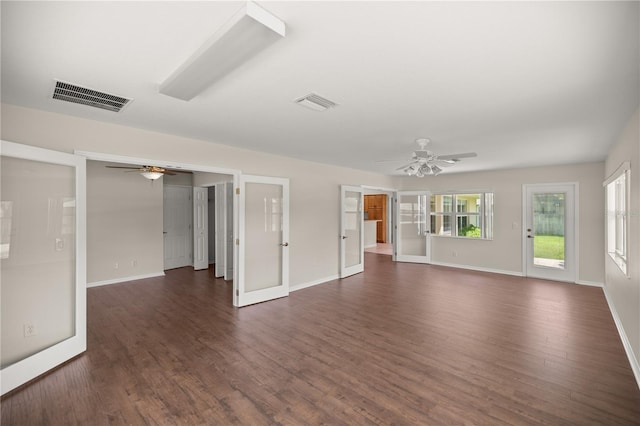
285, 244
530, 236
344, 237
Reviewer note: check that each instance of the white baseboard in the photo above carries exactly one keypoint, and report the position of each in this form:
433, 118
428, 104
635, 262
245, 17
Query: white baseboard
479, 269
125, 279
590, 283
312, 283
633, 359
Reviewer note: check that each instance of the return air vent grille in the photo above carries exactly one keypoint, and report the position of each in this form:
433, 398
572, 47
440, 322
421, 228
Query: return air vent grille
82, 95
316, 102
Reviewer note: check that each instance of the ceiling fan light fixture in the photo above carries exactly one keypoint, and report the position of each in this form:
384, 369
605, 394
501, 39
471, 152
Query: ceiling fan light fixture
151, 175
435, 169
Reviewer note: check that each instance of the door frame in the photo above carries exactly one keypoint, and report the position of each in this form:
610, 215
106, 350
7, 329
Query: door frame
574, 255
29, 368
98, 156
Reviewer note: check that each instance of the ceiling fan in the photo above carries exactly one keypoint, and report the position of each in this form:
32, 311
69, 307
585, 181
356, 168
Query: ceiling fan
425, 162
150, 172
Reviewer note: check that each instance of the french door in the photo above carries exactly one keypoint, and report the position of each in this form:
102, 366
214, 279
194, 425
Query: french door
264, 232
200, 228
351, 230
413, 227
550, 231
42, 261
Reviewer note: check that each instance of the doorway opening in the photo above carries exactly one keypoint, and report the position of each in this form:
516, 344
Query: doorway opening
378, 232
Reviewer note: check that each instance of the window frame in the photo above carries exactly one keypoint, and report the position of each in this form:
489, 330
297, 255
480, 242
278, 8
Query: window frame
617, 202
454, 215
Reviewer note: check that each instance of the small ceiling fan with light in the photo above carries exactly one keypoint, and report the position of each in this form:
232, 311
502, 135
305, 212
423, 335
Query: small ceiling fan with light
150, 172
425, 162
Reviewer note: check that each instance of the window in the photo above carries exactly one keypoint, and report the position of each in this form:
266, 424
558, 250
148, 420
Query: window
617, 187
472, 218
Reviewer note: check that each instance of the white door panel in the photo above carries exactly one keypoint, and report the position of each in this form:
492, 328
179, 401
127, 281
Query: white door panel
228, 271
351, 230
221, 230
413, 233
43, 266
550, 231
200, 228
264, 232
178, 218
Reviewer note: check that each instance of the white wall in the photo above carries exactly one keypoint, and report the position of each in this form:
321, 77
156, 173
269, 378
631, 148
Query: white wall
504, 252
314, 242
624, 293
124, 224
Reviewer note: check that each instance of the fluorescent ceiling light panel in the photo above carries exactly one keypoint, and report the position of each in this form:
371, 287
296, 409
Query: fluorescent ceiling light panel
249, 31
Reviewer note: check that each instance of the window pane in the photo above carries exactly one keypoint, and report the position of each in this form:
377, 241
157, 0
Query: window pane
469, 226
442, 203
548, 229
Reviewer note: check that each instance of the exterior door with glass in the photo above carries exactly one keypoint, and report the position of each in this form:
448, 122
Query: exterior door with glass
43, 261
413, 227
263, 261
549, 237
351, 230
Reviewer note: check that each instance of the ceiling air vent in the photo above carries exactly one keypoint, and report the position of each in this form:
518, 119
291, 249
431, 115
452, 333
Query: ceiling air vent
315, 102
82, 95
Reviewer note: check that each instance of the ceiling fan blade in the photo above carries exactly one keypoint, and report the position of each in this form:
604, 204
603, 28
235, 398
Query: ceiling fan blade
455, 157
406, 165
444, 163
124, 167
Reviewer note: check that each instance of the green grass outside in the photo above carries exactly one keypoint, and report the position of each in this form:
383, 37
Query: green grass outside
548, 247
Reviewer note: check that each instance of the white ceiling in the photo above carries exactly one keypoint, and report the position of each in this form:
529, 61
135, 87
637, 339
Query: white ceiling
520, 83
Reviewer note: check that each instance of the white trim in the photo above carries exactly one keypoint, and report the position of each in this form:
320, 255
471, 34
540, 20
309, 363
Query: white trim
478, 268
314, 282
622, 168
590, 283
125, 279
633, 359
99, 156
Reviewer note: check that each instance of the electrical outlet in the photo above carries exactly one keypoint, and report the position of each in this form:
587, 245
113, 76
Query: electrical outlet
29, 329
454, 253
116, 266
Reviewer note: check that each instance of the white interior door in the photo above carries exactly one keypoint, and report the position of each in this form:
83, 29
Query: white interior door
221, 230
43, 261
550, 231
178, 218
264, 233
413, 227
200, 228
351, 230
228, 271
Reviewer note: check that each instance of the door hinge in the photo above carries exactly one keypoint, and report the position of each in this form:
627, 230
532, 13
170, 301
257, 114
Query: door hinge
237, 191
237, 242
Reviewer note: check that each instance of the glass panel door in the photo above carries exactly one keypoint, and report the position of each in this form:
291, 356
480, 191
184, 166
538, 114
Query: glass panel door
351, 233
549, 231
43, 292
264, 231
413, 227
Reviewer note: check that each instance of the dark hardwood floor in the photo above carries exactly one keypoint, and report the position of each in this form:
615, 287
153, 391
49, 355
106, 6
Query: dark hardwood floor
398, 344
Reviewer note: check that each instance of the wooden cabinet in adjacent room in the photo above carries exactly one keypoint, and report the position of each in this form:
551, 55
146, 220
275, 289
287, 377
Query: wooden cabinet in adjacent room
376, 208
